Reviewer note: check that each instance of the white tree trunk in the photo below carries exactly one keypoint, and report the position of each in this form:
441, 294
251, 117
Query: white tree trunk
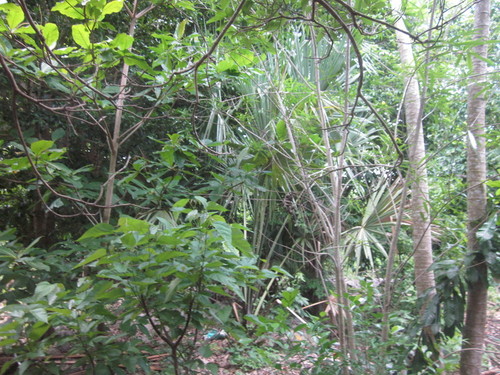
422, 240
475, 321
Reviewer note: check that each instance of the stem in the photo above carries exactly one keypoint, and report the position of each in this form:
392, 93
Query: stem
346, 329
114, 142
390, 265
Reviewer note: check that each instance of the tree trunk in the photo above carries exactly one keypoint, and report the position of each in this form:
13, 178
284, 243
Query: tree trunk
422, 241
475, 321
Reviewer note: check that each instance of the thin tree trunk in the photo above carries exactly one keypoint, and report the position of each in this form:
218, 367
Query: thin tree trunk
422, 240
345, 321
475, 321
114, 142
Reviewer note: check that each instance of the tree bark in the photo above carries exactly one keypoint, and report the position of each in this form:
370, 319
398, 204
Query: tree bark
421, 235
475, 321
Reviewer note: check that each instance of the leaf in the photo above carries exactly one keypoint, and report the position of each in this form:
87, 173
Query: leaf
57, 134
181, 203
218, 289
169, 255
81, 35
48, 290
168, 155
213, 206
122, 42
39, 147
181, 27
38, 330
205, 351
129, 224
111, 7
239, 242
188, 5
225, 65
218, 16
172, 287
136, 60
40, 314
15, 14
225, 231
69, 9
281, 130
98, 230
213, 368
99, 253
289, 297
51, 34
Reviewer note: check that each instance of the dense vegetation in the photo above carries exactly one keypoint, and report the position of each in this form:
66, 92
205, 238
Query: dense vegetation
305, 178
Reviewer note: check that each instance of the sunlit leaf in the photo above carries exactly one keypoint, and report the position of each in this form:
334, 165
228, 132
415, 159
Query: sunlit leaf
81, 35
111, 7
39, 147
51, 34
70, 9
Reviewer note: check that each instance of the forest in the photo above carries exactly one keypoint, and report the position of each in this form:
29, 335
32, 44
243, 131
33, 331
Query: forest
249, 187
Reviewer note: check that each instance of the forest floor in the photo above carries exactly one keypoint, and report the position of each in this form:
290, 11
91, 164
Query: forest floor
231, 360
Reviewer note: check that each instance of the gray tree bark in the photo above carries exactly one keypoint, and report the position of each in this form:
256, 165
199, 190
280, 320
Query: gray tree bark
477, 296
421, 235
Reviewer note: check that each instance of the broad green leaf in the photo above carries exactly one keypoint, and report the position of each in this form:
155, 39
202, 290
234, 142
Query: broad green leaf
36, 264
40, 314
181, 202
168, 155
51, 34
225, 65
169, 255
98, 230
39, 147
205, 351
218, 16
81, 35
243, 57
289, 297
57, 134
213, 206
136, 60
129, 224
218, 289
92, 257
15, 164
15, 14
192, 215
69, 8
281, 130
240, 243
122, 41
48, 290
111, 7
224, 230
38, 330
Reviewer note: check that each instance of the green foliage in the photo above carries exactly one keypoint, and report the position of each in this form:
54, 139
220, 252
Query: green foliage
489, 242
165, 274
221, 123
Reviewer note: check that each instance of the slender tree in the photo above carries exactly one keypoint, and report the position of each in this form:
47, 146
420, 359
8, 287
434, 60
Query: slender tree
475, 321
422, 240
